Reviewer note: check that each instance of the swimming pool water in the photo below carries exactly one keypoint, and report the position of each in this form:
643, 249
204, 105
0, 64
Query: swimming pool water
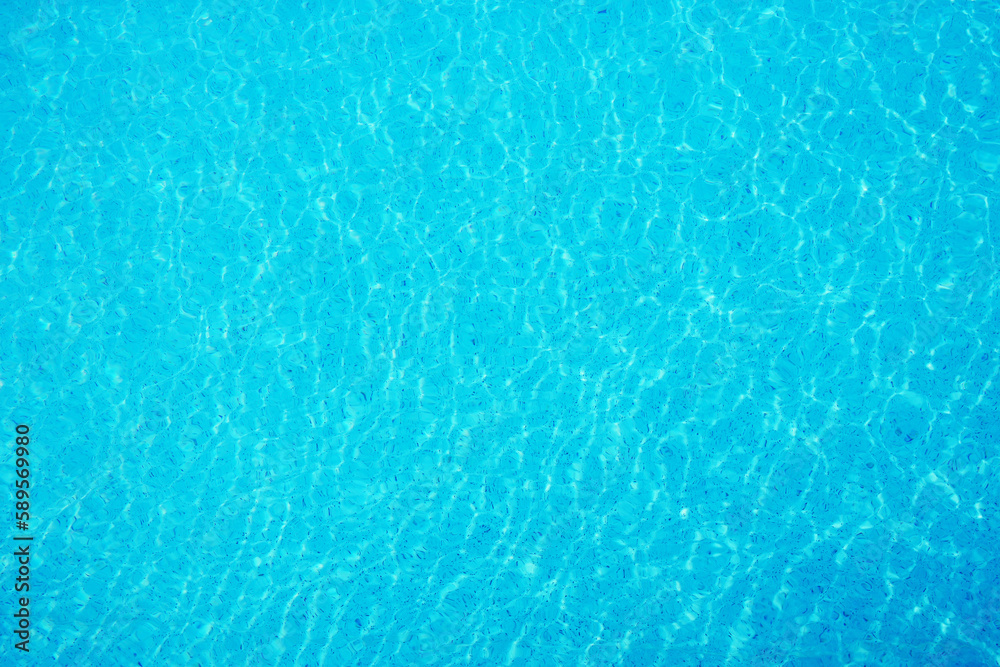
527, 333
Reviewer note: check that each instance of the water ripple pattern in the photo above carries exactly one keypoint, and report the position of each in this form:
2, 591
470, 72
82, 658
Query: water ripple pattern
481, 333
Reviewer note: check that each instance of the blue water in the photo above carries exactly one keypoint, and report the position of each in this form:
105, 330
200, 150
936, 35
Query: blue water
529, 333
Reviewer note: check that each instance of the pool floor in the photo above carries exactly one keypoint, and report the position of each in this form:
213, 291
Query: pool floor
528, 333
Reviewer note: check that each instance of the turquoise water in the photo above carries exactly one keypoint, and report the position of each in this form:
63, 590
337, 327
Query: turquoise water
464, 333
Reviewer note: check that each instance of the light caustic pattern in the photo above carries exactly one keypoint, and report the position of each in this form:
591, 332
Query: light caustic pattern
358, 333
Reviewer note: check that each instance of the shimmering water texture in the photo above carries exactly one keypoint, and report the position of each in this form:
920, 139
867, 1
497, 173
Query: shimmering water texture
528, 333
